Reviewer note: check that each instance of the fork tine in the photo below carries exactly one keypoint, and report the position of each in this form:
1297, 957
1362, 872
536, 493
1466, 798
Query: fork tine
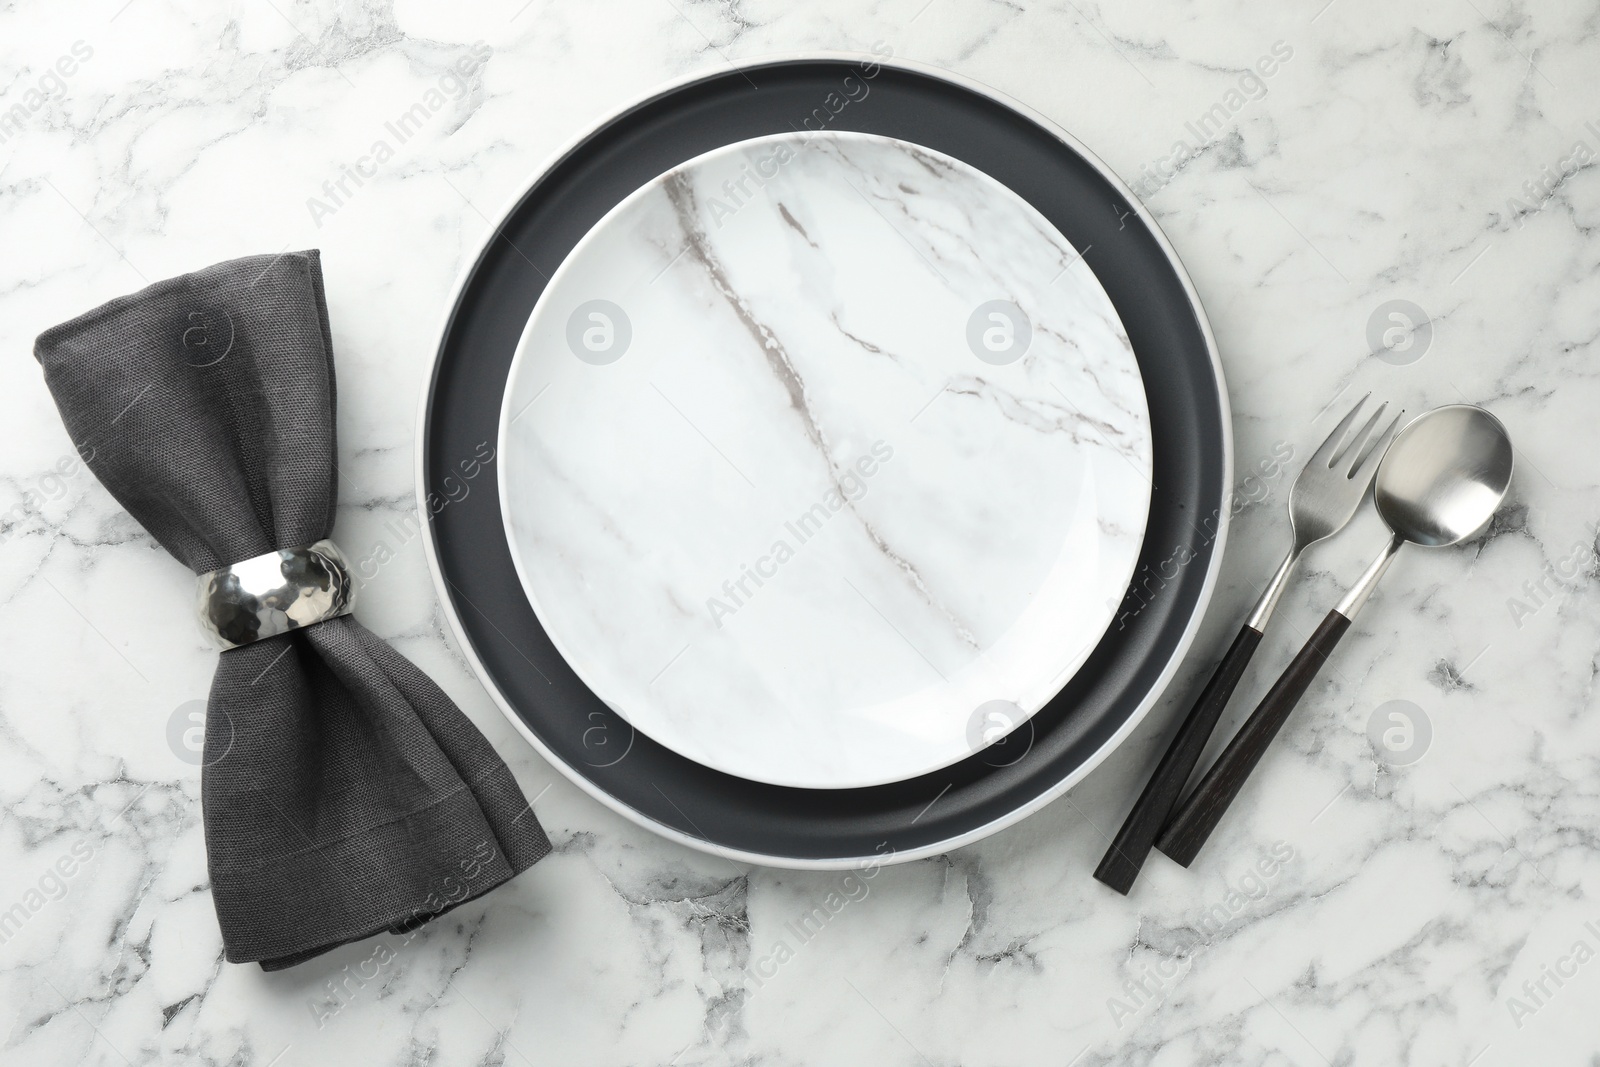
1325, 451
1369, 463
1348, 454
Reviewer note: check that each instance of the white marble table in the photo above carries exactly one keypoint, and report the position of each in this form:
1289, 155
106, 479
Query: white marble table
1355, 909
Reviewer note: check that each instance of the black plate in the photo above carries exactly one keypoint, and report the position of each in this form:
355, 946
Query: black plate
804, 827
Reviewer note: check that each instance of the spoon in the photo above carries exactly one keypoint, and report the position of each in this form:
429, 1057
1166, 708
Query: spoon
1440, 482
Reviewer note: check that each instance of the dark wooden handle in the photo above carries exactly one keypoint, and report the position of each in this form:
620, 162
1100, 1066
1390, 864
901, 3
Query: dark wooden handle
1127, 853
1198, 815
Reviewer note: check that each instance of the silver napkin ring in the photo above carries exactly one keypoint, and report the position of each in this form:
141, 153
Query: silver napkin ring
275, 593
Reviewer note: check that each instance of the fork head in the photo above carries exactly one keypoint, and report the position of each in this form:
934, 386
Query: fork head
1334, 480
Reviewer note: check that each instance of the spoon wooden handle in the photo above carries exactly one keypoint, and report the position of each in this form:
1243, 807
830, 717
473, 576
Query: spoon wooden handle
1198, 815
1127, 853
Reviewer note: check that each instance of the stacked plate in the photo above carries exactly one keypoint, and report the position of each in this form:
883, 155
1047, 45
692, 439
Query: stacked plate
861, 458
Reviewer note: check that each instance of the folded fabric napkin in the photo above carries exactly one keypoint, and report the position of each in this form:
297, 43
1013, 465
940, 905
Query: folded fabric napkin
344, 794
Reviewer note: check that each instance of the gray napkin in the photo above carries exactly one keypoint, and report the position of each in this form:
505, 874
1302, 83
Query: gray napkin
344, 794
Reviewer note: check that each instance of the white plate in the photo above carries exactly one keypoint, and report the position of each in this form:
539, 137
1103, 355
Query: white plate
824, 460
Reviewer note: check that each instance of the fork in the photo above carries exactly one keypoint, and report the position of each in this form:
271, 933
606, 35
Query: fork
1322, 501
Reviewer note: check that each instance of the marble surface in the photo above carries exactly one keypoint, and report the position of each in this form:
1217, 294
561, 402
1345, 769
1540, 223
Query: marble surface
839, 540
1356, 908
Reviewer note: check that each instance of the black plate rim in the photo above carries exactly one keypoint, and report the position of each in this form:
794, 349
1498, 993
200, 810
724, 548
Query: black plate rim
464, 644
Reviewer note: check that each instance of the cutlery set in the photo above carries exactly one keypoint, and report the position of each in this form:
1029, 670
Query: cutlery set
1435, 483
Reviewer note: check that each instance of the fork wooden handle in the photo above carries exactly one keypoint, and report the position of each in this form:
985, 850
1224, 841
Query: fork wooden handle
1198, 815
1127, 854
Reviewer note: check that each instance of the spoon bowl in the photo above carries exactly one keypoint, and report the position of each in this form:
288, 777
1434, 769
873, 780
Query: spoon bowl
1444, 476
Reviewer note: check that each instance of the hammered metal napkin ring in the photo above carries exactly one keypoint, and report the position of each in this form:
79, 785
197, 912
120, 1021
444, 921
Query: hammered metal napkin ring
274, 593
